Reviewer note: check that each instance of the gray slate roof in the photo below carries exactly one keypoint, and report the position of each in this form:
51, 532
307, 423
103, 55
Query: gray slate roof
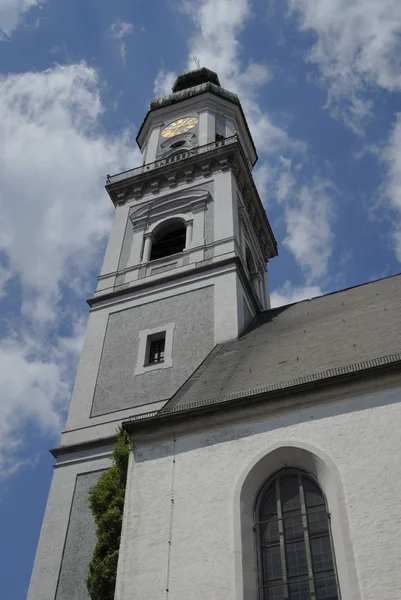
342, 332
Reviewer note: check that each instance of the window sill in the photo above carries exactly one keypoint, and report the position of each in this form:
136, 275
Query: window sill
147, 368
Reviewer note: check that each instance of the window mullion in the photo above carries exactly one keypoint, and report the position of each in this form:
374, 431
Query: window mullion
306, 538
281, 537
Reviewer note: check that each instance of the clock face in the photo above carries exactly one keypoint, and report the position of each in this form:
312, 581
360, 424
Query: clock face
179, 126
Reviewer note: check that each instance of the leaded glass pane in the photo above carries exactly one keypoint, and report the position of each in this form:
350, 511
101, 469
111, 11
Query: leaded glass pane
326, 588
268, 505
313, 495
274, 592
318, 523
269, 532
299, 590
289, 492
295, 548
293, 528
321, 554
296, 558
272, 563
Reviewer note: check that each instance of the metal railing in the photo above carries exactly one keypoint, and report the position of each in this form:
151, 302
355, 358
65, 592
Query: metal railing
170, 160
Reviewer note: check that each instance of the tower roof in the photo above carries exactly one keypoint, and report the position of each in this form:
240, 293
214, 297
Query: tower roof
192, 84
193, 78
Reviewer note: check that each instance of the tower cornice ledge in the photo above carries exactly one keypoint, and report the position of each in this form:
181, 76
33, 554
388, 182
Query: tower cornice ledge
222, 155
170, 276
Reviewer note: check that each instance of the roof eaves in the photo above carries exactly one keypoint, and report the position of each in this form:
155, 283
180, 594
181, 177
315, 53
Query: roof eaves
329, 377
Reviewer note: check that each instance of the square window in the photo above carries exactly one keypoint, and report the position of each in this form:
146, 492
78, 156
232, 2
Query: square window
156, 349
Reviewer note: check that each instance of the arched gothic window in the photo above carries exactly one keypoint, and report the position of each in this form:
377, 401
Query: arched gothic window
168, 240
295, 555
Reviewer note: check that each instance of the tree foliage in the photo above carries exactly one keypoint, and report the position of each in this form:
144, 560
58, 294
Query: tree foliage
106, 499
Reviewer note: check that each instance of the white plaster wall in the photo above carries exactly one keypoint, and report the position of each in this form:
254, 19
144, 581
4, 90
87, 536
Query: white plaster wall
79, 422
243, 300
153, 142
201, 472
50, 549
223, 206
114, 245
207, 126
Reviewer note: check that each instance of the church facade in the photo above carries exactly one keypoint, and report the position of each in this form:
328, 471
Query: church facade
265, 442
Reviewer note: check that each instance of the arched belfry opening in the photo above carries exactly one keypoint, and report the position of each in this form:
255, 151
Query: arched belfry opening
169, 239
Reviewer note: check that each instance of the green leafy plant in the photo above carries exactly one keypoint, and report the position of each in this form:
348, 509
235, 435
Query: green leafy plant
106, 499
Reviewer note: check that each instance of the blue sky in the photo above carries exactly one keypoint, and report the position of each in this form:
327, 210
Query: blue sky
320, 82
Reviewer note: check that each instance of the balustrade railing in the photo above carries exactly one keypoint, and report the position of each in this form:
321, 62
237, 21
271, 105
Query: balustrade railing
170, 160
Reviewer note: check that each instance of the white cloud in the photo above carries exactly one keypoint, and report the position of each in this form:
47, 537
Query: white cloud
287, 294
392, 187
120, 30
262, 175
12, 11
164, 82
309, 236
285, 182
52, 205
307, 215
218, 24
54, 218
35, 389
358, 46
5, 276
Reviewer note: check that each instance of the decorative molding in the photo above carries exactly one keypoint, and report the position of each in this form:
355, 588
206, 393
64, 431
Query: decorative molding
172, 180
224, 164
189, 175
164, 207
121, 198
163, 268
137, 191
206, 167
154, 186
200, 162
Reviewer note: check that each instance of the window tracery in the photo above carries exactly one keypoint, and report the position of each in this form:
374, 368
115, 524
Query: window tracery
295, 556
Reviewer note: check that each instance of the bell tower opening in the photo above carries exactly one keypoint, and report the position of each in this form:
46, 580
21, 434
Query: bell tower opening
168, 240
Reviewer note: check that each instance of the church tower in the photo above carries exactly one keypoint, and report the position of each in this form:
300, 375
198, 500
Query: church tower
184, 271
264, 443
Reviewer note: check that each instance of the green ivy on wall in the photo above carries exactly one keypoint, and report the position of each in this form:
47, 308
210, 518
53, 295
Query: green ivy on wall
106, 499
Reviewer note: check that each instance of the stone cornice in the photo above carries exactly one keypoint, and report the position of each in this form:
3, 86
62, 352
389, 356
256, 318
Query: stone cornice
170, 276
202, 161
163, 207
